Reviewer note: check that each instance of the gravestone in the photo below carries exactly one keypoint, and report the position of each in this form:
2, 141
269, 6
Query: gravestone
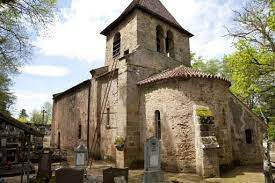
69, 175
152, 163
45, 164
115, 175
81, 157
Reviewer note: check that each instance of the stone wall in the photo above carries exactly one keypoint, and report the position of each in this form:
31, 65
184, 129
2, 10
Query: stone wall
128, 32
109, 121
146, 29
178, 145
70, 111
178, 151
243, 119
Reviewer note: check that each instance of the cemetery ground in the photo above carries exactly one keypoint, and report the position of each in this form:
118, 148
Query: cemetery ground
243, 174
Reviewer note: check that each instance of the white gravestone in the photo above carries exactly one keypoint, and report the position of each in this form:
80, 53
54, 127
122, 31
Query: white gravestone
81, 156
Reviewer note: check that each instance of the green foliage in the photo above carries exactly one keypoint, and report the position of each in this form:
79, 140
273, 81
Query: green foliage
119, 141
37, 115
6, 97
204, 112
252, 64
271, 132
252, 74
47, 107
19, 20
212, 66
271, 17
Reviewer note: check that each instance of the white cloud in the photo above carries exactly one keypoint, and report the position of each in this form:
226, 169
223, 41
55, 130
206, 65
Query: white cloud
30, 100
45, 70
77, 35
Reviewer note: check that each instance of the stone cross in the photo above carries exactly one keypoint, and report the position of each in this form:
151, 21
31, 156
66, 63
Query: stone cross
152, 162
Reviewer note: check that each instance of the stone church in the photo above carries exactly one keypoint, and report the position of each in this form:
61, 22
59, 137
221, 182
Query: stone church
147, 88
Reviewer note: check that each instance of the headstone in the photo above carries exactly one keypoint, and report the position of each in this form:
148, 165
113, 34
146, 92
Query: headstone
115, 175
69, 175
45, 164
152, 163
81, 156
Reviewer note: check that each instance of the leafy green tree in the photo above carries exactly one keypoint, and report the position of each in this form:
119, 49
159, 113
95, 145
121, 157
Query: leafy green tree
47, 107
23, 116
42, 116
6, 97
252, 64
19, 20
212, 66
36, 117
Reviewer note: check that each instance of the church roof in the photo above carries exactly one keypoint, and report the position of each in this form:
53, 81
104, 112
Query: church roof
180, 72
153, 7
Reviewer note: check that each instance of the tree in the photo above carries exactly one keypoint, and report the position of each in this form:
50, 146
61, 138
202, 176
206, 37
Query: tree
23, 116
19, 20
252, 64
36, 117
212, 66
47, 107
6, 97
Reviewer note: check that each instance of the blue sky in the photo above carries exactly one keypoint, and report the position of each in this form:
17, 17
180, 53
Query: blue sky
73, 45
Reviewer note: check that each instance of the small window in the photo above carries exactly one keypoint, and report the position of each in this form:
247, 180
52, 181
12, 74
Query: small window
108, 117
158, 124
248, 136
116, 45
79, 132
159, 39
58, 141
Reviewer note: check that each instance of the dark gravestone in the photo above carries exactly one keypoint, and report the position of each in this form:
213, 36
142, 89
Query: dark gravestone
69, 175
115, 175
45, 164
152, 163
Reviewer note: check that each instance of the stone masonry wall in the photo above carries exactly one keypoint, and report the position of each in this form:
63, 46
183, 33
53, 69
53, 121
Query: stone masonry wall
69, 112
243, 119
146, 28
108, 132
128, 32
175, 100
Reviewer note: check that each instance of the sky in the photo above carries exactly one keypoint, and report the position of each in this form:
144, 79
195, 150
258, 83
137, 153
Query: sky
73, 45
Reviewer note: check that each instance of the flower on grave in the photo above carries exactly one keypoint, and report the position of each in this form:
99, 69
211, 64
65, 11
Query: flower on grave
205, 115
119, 143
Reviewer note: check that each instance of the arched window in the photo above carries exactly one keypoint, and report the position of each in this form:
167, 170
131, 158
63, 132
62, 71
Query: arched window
248, 136
116, 45
79, 131
159, 40
158, 124
169, 42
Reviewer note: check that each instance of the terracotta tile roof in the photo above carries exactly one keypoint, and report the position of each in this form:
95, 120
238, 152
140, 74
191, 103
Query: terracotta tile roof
153, 7
179, 72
